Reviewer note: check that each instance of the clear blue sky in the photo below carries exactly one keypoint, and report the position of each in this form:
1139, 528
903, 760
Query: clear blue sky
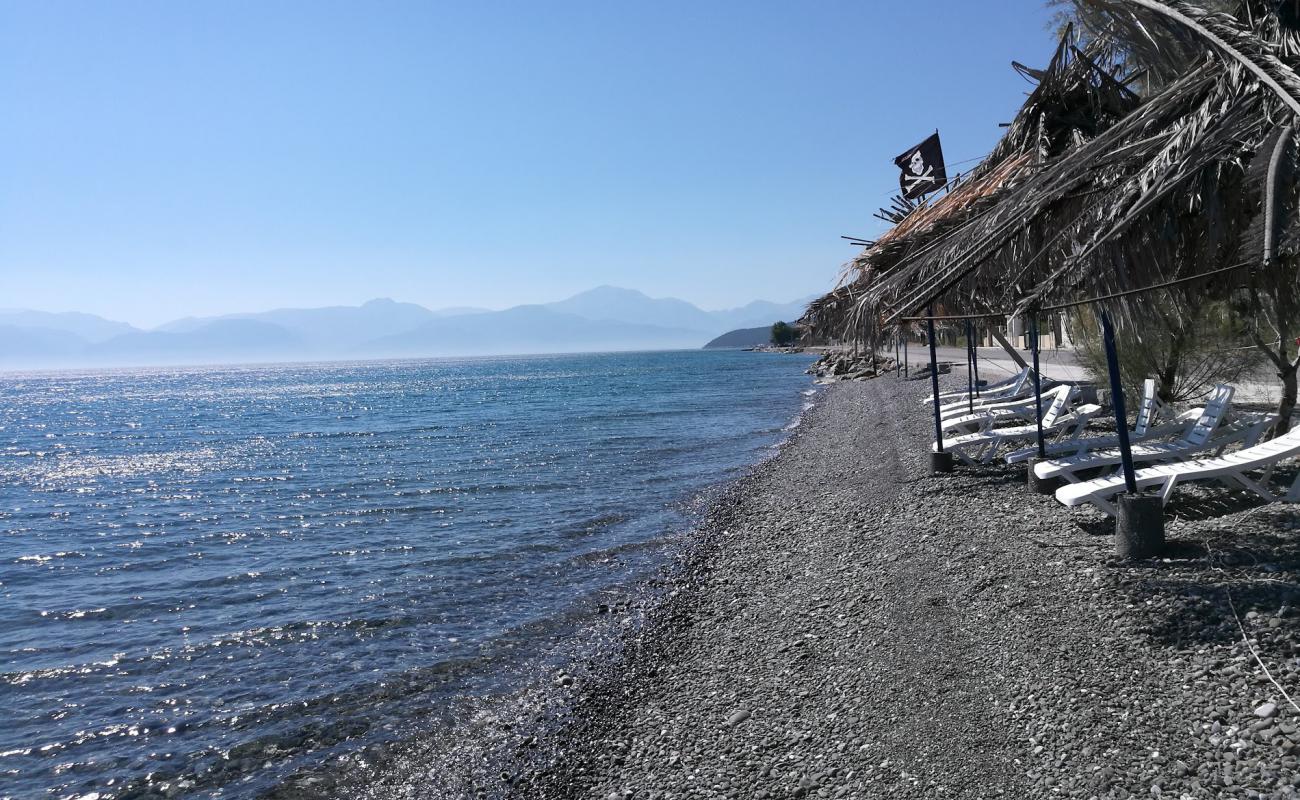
165, 159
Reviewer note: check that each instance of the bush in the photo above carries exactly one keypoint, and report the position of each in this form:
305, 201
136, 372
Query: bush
1187, 349
783, 335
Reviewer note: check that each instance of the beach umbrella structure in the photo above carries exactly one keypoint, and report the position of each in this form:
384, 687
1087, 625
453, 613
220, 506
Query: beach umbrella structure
1155, 156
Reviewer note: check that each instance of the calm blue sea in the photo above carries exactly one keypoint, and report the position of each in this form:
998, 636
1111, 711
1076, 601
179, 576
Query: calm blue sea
295, 561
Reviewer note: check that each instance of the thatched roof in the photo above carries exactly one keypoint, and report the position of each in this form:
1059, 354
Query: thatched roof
1094, 189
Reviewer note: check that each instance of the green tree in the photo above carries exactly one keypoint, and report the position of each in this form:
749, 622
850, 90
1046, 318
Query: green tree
783, 335
1187, 344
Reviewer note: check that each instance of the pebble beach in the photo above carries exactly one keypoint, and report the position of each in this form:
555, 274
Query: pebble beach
847, 626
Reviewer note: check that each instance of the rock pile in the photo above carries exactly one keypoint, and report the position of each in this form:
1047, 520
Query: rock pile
843, 365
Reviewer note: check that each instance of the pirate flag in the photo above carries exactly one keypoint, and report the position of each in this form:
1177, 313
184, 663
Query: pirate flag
922, 168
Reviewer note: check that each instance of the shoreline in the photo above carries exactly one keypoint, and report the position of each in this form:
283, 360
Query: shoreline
845, 625
486, 744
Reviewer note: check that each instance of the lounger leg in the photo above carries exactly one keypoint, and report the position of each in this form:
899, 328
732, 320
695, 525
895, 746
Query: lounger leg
1254, 487
1168, 489
1106, 506
1293, 495
991, 451
960, 453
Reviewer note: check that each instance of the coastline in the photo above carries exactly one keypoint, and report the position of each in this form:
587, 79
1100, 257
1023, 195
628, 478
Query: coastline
847, 626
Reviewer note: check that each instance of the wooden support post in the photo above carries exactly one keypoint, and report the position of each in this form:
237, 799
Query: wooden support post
970, 374
1011, 351
1117, 400
1038, 384
1140, 521
939, 460
1037, 484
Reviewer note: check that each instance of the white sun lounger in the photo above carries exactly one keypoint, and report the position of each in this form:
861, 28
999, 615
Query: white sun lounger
1204, 435
1082, 445
1231, 469
982, 447
1001, 389
1024, 409
1144, 430
978, 404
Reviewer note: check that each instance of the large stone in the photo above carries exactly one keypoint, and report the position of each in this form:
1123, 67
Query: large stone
1139, 526
1040, 485
940, 463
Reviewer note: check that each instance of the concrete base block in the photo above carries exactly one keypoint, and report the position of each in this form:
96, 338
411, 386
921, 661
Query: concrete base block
940, 462
1041, 485
1139, 526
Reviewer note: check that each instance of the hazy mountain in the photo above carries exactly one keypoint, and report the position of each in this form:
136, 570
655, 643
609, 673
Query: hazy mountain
38, 347
328, 328
457, 311
86, 327
223, 340
528, 329
605, 318
742, 337
761, 313
629, 305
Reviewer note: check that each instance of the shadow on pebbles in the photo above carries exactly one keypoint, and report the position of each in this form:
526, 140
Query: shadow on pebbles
850, 627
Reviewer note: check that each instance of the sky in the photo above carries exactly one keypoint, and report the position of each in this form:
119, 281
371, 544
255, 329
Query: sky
160, 160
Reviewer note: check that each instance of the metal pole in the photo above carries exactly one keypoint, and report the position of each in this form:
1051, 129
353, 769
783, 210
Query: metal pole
898, 365
975, 358
970, 374
1038, 382
934, 384
907, 368
1117, 399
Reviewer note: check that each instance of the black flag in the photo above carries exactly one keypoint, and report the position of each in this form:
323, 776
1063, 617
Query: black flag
922, 168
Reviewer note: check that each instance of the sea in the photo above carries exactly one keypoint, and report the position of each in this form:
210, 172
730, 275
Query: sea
214, 578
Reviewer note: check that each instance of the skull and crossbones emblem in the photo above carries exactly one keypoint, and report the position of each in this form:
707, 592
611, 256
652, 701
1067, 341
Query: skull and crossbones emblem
922, 173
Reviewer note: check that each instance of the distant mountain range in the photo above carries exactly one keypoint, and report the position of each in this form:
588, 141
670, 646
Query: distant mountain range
605, 318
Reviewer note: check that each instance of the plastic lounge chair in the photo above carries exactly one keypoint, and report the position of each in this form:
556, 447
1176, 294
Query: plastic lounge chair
1178, 426
1024, 410
1001, 389
1208, 434
1144, 430
1231, 469
983, 447
974, 406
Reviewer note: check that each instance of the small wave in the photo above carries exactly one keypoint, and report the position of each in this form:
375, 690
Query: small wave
45, 559
69, 468
590, 526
